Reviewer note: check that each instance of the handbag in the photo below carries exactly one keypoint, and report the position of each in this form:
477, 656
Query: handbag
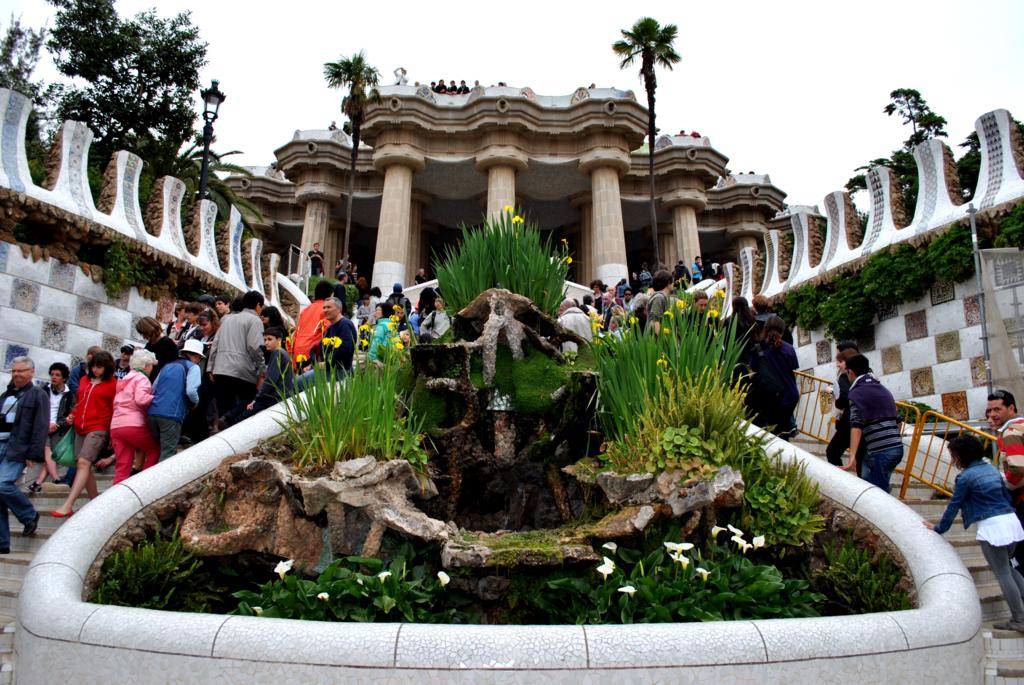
64, 451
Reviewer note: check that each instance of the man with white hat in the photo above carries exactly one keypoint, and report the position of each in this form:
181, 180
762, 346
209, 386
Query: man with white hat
175, 393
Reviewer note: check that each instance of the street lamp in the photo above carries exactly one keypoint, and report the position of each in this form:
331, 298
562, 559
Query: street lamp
212, 97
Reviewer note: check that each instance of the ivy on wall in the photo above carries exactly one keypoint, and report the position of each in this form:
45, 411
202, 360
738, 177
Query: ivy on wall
904, 273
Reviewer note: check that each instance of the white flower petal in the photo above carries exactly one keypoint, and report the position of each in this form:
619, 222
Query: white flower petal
383, 575
716, 530
258, 611
675, 546
758, 542
627, 590
686, 546
283, 567
610, 546
735, 531
323, 596
703, 572
443, 578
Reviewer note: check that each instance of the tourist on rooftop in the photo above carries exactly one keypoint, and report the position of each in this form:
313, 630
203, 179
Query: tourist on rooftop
463, 88
773, 394
92, 414
981, 496
278, 384
165, 349
441, 87
24, 415
400, 76
62, 401
875, 421
236, 356
576, 320
452, 88
129, 425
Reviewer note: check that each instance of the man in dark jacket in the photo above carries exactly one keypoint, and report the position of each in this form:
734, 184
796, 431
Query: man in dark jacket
397, 298
873, 419
24, 424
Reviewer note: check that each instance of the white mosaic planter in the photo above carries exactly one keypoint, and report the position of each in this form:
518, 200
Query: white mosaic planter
61, 638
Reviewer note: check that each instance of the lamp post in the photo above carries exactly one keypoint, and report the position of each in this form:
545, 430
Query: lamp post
212, 97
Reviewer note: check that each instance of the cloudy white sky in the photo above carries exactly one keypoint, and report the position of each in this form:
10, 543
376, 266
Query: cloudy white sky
792, 89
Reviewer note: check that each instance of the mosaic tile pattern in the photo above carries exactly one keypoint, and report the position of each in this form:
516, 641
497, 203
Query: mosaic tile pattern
947, 346
972, 310
119, 301
13, 351
54, 334
112, 344
24, 295
941, 292
922, 382
978, 371
954, 405
866, 340
88, 313
824, 351
802, 337
165, 309
892, 359
887, 311
62, 275
916, 324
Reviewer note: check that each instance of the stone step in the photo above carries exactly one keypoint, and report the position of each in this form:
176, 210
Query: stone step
13, 566
9, 595
1009, 669
7, 633
993, 606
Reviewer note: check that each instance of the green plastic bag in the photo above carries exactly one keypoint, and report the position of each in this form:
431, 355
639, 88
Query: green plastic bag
64, 452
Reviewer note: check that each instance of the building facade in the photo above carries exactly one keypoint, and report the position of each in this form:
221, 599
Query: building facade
576, 165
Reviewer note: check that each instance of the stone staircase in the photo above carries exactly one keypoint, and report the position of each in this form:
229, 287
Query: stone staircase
1004, 650
14, 565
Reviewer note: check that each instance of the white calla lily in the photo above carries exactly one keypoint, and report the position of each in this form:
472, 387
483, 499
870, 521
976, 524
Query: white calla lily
383, 575
738, 539
734, 530
607, 568
258, 611
758, 542
283, 567
702, 572
683, 561
323, 596
716, 530
610, 546
443, 578
627, 590
676, 547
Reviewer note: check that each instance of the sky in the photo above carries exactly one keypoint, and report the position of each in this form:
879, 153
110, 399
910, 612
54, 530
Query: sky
792, 89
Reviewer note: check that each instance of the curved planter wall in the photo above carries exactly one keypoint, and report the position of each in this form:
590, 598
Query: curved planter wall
60, 638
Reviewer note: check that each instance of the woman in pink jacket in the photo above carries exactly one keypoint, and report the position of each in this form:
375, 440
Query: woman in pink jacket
129, 427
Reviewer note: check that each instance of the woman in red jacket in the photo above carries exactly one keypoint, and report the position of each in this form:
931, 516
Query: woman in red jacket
92, 417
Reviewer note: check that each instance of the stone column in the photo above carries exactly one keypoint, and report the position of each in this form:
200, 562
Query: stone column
315, 225
685, 203
604, 166
667, 244
398, 162
740, 242
500, 162
584, 257
416, 258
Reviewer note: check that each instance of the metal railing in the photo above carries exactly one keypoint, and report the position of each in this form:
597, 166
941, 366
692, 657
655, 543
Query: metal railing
925, 434
927, 461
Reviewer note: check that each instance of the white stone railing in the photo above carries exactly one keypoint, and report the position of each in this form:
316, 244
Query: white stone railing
71, 193
999, 182
61, 638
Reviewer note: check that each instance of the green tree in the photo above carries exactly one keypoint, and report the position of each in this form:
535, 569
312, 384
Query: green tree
925, 124
651, 43
187, 169
361, 79
134, 79
20, 48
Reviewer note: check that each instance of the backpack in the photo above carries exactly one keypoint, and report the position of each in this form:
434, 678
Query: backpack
645, 278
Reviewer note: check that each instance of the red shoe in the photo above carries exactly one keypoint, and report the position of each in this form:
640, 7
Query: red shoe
59, 515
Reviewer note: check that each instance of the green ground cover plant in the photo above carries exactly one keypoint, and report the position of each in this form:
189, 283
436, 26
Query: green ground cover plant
857, 580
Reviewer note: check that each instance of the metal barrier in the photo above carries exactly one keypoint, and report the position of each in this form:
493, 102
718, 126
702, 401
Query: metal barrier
927, 462
814, 410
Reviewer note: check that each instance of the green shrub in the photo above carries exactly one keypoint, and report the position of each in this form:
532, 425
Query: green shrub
159, 574
858, 581
335, 420
896, 275
661, 587
123, 269
506, 253
632, 369
847, 311
1011, 229
950, 257
779, 500
357, 589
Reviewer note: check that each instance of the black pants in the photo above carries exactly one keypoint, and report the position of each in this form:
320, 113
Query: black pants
196, 426
231, 392
840, 442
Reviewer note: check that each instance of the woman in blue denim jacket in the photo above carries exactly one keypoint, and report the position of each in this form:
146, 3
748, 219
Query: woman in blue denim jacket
983, 498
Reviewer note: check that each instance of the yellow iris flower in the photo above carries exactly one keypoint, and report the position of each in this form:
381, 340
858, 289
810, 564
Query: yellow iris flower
517, 220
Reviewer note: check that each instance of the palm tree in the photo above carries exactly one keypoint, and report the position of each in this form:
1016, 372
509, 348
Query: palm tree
652, 43
361, 80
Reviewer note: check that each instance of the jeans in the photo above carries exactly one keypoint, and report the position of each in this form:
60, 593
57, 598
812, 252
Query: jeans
882, 464
167, 432
11, 497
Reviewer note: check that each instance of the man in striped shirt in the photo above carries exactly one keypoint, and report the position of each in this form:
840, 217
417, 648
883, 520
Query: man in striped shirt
873, 419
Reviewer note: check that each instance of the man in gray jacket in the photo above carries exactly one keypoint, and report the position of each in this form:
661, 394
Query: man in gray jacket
236, 356
573, 318
24, 421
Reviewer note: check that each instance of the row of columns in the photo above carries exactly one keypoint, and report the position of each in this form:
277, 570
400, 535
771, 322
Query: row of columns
401, 239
